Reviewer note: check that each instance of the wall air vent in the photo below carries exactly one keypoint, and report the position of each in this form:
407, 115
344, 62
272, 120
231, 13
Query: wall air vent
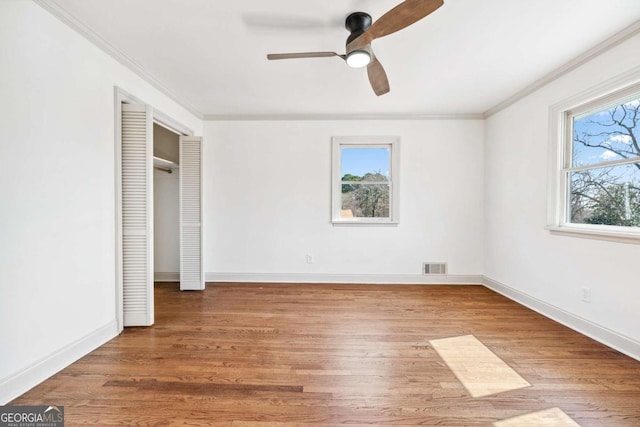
434, 268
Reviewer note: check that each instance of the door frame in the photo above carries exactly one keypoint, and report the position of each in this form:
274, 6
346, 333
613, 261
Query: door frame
121, 96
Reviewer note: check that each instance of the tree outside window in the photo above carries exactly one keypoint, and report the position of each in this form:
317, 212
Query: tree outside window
604, 174
365, 180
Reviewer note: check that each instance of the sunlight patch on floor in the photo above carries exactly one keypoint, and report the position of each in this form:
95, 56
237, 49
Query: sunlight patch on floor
554, 417
479, 370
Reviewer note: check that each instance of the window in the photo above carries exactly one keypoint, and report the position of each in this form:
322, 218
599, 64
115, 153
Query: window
365, 180
597, 182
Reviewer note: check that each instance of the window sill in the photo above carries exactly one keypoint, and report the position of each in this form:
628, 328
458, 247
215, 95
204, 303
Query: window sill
341, 223
621, 236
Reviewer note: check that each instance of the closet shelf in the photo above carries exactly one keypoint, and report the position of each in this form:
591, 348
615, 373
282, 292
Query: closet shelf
165, 165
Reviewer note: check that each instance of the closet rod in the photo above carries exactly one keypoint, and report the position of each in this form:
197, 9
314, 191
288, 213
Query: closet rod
163, 169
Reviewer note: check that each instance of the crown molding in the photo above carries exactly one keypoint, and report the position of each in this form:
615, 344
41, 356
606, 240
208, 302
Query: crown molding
67, 18
590, 54
321, 117
71, 21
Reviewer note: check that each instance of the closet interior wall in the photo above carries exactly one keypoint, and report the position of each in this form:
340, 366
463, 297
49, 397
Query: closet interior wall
166, 205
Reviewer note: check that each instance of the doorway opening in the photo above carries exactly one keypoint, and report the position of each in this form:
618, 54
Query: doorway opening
166, 204
158, 207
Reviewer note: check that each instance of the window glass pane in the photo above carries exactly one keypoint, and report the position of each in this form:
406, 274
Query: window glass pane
365, 201
609, 134
607, 196
369, 164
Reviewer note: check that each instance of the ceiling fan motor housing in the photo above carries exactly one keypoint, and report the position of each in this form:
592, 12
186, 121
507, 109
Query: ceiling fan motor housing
357, 23
358, 50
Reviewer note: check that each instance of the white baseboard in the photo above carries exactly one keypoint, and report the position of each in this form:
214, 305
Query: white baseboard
22, 381
399, 279
606, 336
159, 276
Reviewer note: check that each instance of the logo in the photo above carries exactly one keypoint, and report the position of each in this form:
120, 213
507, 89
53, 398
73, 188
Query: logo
31, 416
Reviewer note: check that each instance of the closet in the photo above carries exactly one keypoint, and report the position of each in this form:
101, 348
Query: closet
166, 204
159, 205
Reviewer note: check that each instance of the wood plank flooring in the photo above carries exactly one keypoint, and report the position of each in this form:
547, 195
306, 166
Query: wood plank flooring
282, 355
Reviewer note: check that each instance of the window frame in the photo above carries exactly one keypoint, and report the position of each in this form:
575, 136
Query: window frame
610, 93
340, 142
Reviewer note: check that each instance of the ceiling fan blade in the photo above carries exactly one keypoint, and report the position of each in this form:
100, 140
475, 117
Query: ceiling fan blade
378, 77
406, 13
275, 56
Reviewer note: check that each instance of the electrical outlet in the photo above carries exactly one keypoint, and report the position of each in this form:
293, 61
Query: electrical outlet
309, 259
586, 295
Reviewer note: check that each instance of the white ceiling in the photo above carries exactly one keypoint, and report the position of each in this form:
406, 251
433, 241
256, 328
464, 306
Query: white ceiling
465, 58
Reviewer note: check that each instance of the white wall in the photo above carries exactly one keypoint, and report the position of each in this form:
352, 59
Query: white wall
519, 252
268, 200
57, 211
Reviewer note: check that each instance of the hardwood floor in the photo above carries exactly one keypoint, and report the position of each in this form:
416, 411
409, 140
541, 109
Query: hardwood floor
250, 354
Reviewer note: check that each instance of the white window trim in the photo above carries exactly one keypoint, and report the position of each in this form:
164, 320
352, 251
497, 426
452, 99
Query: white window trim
560, 151
394, 176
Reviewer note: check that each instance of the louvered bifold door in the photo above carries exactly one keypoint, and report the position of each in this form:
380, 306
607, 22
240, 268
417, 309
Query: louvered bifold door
137, 215
191, 255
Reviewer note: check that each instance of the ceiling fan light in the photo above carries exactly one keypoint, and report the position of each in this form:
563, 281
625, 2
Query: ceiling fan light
358, 59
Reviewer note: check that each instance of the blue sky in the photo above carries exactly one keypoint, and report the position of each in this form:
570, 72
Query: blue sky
583, 156
359, 161
599, 125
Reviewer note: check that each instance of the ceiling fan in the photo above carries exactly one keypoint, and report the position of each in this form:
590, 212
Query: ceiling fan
363, 31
